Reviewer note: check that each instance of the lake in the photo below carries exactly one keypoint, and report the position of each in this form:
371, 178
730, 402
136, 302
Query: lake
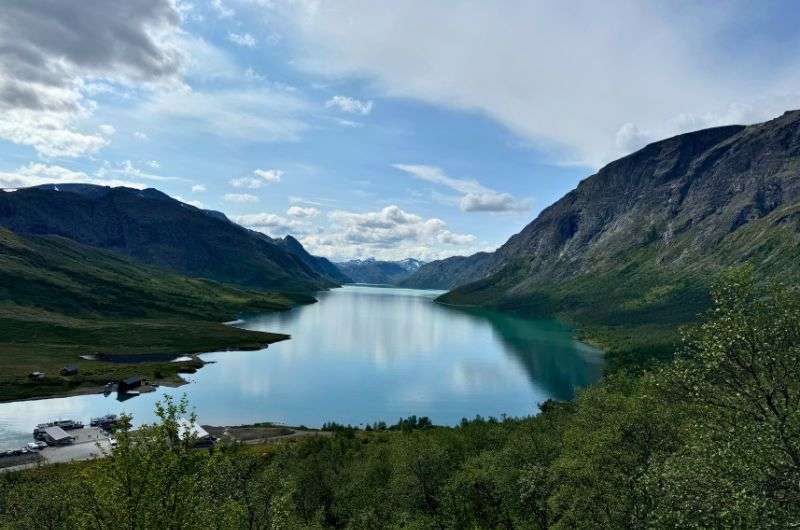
360, 355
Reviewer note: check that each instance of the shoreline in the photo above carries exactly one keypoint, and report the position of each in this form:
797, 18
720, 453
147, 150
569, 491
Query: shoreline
174, 381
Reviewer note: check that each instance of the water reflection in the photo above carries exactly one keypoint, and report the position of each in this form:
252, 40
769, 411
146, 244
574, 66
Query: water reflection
362, 354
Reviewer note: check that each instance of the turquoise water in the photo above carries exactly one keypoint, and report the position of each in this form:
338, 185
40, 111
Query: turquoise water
360, 355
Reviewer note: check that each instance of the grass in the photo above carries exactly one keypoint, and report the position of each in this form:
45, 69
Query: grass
60, 300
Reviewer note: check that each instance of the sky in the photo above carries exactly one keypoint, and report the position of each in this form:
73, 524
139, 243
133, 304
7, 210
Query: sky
371, 129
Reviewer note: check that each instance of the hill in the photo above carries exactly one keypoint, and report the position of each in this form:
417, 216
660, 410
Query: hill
155, 229
633, 246
379, 272
60, 299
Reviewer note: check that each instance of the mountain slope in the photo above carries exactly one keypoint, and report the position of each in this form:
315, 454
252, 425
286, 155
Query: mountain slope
155, 229
636, 243
322, 266
379, 272
56, 274
60, 299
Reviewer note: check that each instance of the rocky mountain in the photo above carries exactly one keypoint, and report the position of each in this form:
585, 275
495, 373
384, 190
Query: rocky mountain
374, 271
638, 240
321, 265
155, 229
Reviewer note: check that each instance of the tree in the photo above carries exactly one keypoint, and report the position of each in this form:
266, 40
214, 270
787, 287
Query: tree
739, 372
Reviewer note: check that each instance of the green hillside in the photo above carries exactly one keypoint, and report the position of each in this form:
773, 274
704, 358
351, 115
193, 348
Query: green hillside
60, 299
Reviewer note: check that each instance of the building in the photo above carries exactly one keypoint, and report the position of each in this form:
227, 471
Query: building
70, 369
129, 383
201, 437
56, 436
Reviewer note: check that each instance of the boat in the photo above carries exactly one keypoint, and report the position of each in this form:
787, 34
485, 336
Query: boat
67, 425
104, 422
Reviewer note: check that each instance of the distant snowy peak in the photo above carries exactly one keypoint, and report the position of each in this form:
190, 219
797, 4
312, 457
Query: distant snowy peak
371, 270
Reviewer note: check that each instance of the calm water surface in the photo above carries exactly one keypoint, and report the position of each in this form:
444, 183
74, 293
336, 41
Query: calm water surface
360, 355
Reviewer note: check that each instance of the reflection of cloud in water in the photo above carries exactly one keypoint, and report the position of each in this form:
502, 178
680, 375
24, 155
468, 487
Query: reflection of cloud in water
362, 327
360, 355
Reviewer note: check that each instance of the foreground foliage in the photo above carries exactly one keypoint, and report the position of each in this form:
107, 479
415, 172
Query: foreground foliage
711, 440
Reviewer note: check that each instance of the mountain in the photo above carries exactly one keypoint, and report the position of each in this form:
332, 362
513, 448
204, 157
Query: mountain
60, 300
57, 275
374, 271
447, 273
155, 229
636, 242
322, 266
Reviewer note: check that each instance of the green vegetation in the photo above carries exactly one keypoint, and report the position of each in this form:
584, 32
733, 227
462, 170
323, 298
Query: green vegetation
710, 440
60, 300
633, 306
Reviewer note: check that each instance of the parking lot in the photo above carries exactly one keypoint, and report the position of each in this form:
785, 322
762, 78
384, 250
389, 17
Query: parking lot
84, 447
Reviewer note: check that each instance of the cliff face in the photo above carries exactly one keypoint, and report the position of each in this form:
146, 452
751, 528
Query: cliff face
667, 214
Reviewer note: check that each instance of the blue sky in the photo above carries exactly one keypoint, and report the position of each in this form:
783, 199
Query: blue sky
417, 129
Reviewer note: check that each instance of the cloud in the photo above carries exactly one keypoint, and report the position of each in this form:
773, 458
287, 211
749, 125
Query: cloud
240, 197
302, 212
270, 175
140, 135
128, 169
351, 105
222, 10
258, 114
51, 49
198, 188
242, 39
35, 174
195, 203
271, 224
246, 182
565, 80
106, 129
475, 197
389, 233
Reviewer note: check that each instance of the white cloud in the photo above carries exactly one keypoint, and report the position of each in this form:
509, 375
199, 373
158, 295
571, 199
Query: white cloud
106, 129
270, 175
351, 105
566, 80
35, 174
222, 10
246, 182
51, 134
240, 197
389, 233
475, 196
195, 203
53, 53
242, 39
271, 224
140, 135
198, 188
302, 212
128, 169
258, 114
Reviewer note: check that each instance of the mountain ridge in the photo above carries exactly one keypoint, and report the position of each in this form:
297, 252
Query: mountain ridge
374, 271
155, 229
646, 232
